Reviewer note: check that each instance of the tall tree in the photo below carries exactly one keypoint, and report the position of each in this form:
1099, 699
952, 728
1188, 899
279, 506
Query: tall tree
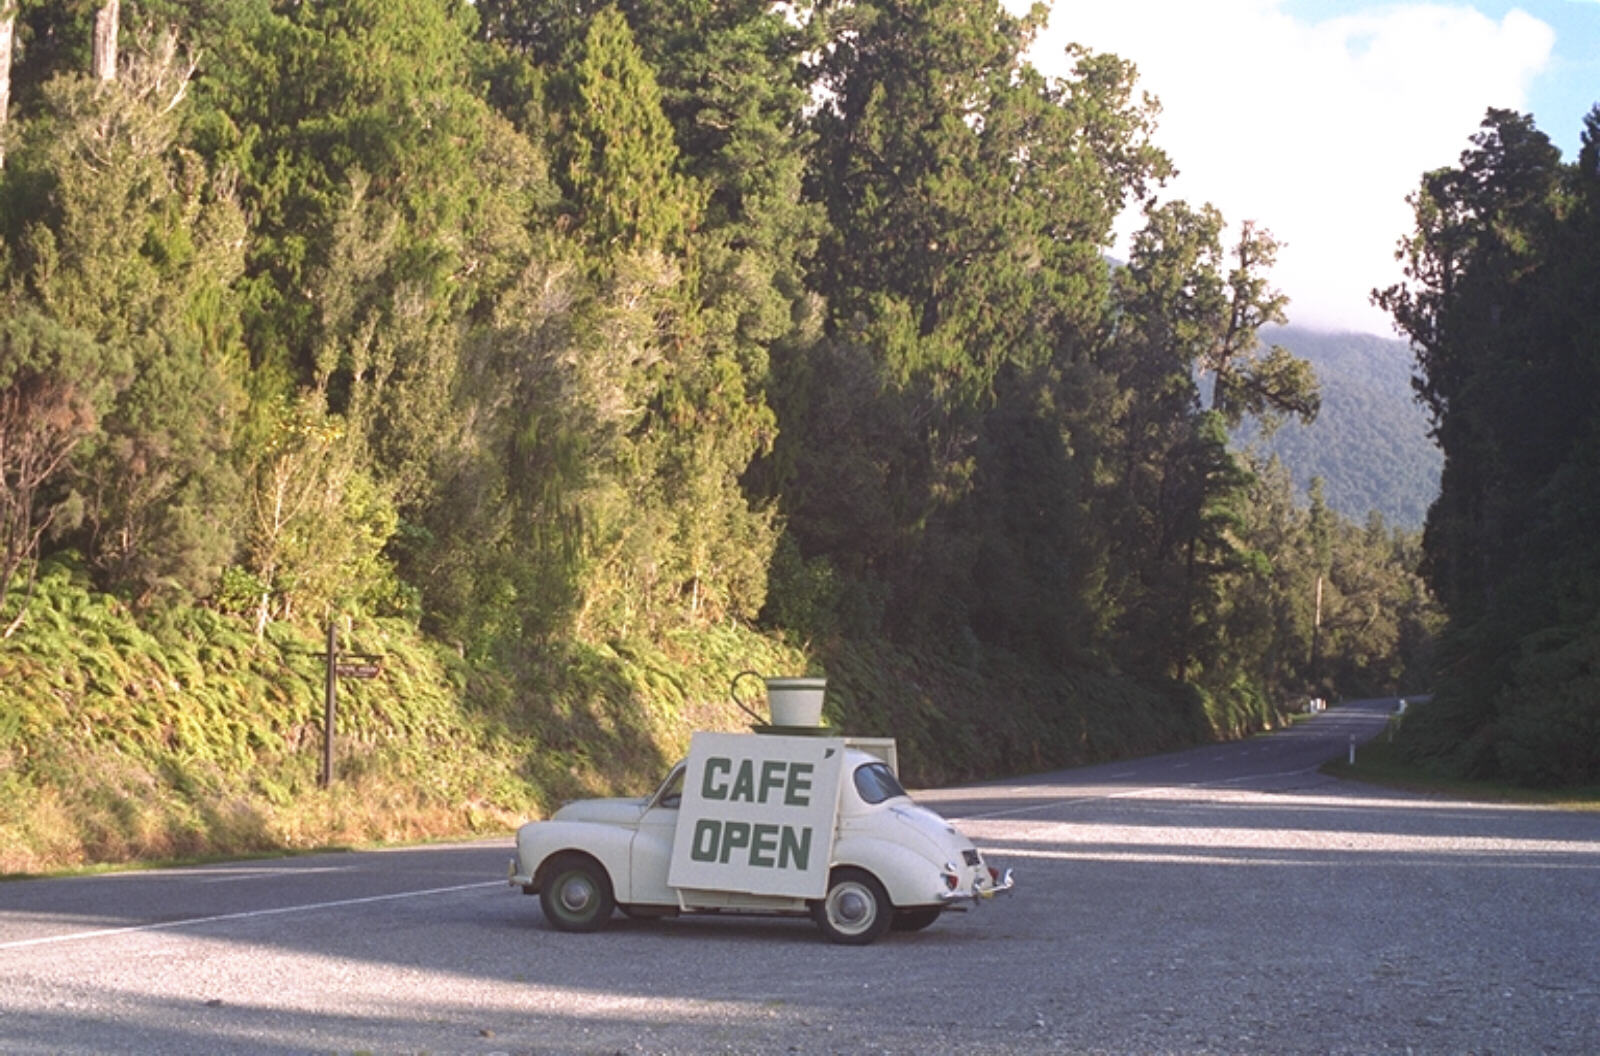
392, 209
1176, 495
685, 538
1269, 386
637, 338
1498, 304
127, 238
969, 200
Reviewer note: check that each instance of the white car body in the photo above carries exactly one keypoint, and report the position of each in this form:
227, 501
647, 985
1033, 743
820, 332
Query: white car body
879, 859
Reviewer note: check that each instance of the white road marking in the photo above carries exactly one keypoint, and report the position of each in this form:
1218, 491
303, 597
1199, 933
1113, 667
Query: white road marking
225, 876
1124, 794
1130, 793
165, 924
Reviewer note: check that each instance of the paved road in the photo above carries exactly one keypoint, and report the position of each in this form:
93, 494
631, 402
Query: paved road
1225, 899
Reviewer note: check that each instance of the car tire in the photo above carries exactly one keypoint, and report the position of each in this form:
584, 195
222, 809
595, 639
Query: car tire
915, 919
855, 911
576, 894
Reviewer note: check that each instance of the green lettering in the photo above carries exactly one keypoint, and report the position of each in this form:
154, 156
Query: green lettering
763, 842
715, 791
735, 834
771, 777
744, 783
799, 782
707, 833
796, 846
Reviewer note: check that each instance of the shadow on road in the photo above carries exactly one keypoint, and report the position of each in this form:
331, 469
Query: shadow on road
1190, 902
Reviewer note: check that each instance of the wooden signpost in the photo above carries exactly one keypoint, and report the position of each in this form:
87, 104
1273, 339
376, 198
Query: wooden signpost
362, 665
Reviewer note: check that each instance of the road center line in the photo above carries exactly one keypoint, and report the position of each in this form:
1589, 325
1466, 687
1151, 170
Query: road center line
166, 924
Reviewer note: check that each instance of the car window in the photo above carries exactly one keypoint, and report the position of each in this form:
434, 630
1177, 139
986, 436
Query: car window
875, 782
671, 792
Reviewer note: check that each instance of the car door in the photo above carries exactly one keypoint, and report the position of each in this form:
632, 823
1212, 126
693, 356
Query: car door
651, 853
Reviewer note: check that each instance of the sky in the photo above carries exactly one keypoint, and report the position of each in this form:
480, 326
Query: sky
1315, 118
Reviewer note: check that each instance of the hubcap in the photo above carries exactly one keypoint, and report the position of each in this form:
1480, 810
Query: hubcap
576, 894
851, 908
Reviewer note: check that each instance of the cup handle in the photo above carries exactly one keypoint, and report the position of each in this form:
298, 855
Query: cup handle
733, 691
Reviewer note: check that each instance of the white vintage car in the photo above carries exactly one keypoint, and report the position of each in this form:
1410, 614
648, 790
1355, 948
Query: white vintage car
762, 824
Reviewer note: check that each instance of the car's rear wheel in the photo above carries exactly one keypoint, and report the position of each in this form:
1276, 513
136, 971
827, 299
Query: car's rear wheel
856, 909
915, 919
576, 894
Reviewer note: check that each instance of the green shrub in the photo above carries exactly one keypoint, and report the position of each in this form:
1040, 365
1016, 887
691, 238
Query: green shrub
130, 735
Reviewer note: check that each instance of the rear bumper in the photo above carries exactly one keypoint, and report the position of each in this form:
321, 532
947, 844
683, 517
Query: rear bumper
1002, 886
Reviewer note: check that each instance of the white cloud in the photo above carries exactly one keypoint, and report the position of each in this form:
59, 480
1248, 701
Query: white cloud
1317, 131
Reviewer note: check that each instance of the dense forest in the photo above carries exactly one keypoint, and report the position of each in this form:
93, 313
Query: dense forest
583, 353
1370, 443
1502, 303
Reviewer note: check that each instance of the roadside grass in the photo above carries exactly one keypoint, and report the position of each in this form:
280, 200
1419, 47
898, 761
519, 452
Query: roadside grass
145, 738
132, 740
1379, 763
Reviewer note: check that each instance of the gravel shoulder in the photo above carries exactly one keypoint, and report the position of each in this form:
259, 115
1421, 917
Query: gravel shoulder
1271, 912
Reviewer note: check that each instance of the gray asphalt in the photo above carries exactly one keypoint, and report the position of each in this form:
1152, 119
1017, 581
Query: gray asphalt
1224, 899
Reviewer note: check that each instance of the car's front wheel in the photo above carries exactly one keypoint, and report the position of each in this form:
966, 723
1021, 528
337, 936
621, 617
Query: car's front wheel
856, 909
576, 894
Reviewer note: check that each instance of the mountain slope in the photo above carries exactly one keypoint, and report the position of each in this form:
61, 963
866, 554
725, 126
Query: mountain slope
1370, 443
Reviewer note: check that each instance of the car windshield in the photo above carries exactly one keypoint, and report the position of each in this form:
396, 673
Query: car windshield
876, 782
671, 792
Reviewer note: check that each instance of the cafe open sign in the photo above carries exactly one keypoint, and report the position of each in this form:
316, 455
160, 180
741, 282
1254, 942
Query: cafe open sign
758, 814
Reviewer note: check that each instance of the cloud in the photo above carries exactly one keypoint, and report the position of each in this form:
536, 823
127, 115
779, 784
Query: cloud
1315, 130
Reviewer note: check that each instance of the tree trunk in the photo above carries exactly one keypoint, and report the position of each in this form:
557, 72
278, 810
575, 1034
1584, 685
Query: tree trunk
8, 27
105, 41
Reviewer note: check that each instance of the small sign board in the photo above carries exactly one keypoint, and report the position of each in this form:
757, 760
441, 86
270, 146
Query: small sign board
758, 814
356, 670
